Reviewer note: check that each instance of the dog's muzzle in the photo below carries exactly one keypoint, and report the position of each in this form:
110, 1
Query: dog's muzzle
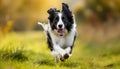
61, 32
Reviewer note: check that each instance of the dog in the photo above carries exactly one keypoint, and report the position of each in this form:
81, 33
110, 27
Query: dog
61, 32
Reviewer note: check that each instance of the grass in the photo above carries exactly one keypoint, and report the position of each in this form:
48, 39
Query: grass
29, 51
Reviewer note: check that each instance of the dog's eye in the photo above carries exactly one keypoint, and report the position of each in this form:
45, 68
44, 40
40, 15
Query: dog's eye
56, 18
63, 18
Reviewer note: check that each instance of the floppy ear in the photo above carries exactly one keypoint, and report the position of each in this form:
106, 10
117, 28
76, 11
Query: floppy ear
52, 13
67, 12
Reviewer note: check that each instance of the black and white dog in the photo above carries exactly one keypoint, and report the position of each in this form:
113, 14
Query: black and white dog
60, 32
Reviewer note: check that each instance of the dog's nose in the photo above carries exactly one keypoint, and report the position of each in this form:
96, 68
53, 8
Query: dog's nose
60, 26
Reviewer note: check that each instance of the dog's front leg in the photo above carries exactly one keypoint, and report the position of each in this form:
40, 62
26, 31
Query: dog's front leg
68, 50
63, 54
60, 50
59, 53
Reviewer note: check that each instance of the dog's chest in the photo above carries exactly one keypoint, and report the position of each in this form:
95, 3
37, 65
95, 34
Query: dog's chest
63, 41
60, 41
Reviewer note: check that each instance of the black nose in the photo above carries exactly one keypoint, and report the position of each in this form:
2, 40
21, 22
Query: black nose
60, 26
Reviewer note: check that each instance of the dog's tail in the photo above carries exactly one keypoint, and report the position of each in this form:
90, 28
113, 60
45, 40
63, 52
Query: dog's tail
44, 25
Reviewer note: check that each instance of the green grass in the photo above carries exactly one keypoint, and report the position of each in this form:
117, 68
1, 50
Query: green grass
29, 51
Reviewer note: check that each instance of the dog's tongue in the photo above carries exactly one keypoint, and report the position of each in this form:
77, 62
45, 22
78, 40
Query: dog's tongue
61, 32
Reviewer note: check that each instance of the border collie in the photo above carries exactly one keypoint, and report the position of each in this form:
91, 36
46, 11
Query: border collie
60, 32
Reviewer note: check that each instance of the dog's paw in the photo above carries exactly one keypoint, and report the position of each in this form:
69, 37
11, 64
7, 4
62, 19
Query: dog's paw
57, 55
60, 55
64, 57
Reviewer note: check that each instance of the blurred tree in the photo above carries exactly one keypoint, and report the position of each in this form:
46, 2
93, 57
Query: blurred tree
99, 10
104, 8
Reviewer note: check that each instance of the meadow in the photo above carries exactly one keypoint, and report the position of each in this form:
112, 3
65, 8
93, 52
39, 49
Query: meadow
28, 50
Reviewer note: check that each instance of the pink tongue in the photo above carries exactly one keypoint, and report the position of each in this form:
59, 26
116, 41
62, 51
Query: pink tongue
60, 31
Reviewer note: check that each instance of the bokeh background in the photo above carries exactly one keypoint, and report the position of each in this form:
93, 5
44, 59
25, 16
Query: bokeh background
95, 18
98, 37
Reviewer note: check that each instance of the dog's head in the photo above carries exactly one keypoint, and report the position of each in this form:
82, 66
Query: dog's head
61, 22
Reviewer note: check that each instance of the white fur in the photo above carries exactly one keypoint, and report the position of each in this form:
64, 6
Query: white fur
44, 25
60, 21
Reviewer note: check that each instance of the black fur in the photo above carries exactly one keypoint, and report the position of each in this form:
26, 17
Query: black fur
49, 41
53, 17
73, 44
68, 15
67, 23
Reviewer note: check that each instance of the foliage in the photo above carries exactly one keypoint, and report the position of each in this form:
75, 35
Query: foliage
99, 11
13, 54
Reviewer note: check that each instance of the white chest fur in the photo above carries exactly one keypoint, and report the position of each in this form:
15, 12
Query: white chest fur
65, 41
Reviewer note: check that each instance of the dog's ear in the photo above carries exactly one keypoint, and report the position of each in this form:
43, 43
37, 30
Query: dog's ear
65, 6
52, 13
67, 12
65, 9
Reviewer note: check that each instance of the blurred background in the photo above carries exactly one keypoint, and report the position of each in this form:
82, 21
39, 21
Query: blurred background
96, 19
98, 37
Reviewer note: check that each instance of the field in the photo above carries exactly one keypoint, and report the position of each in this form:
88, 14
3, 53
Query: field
28, 50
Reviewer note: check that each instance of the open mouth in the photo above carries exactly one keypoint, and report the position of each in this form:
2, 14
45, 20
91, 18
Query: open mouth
61, 32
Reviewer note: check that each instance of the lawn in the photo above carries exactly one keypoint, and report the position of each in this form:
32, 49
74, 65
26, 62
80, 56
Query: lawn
28, 50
